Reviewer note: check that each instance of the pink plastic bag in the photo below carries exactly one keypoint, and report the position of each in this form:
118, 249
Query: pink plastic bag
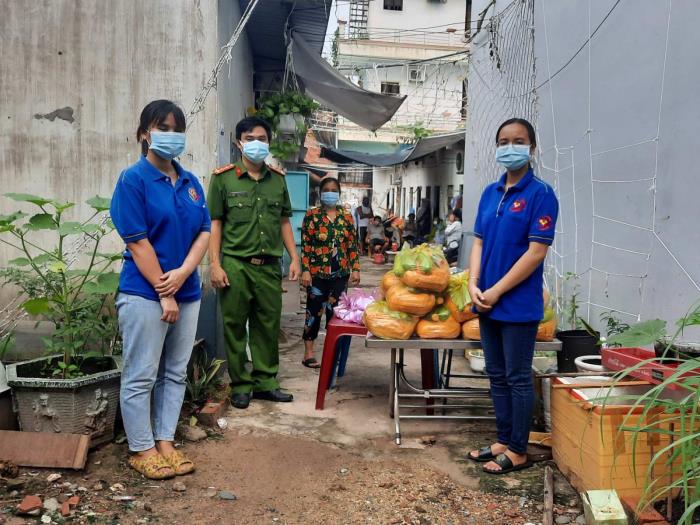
351, 305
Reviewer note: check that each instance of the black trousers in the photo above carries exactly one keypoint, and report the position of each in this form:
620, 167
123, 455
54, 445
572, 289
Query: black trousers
322, 295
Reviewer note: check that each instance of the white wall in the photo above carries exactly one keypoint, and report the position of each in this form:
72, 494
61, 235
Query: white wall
616, 137
417, 13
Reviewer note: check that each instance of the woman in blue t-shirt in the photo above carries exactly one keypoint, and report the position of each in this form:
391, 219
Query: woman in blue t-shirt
513, 231
159, 211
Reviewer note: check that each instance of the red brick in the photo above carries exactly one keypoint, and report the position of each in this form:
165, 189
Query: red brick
65, 509
30, 503
212, 411
73, 501
647, 516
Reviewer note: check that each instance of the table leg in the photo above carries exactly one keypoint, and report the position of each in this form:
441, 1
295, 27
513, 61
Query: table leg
427, 362
392, 382
397, 415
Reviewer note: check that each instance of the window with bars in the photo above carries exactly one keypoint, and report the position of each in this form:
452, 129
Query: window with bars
393, 5
391, 88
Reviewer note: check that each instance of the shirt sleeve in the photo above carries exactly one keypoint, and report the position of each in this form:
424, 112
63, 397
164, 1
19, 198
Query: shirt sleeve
478, 223
206, 219
128, 208
286, 202
306, 242
215, 198
544, 218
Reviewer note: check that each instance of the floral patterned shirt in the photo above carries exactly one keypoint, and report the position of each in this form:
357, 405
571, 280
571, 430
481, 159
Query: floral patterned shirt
329, 248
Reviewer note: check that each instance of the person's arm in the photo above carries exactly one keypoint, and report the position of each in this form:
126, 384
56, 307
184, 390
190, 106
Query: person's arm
305, 250
171, 282
475, 293
216, 205
354, 257
290, 245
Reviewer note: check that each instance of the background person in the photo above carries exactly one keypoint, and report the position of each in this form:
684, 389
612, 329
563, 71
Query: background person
363, 214
376, 236
159, 210
453, 235
329, 258
514, 228
250, 208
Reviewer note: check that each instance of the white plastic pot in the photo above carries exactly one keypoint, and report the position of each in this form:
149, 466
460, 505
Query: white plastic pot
477, 362
589, 363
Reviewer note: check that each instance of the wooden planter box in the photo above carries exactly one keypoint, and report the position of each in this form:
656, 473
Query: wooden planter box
589, 449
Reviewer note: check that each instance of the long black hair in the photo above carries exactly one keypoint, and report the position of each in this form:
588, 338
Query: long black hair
154, 114
526, 124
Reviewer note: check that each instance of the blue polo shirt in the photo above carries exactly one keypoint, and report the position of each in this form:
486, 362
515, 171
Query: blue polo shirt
146, 205
506, 222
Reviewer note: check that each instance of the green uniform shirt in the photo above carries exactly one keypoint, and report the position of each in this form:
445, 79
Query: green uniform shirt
251, 211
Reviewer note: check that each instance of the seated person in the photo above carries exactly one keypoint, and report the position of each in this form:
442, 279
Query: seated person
410, 230
394, 235
376, 237
453, 235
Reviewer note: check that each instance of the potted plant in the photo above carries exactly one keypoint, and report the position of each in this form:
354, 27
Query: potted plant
75, 388
286, 112
576, 341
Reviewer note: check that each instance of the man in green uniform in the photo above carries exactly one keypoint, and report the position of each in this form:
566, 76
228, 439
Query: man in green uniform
250, 209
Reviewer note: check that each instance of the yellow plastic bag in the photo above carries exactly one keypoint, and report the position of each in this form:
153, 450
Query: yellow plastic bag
438, 324
458, 300
403, 299
470, 329
423, 267
386, 323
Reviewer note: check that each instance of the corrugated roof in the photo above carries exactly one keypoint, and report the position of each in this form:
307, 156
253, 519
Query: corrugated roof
267, 24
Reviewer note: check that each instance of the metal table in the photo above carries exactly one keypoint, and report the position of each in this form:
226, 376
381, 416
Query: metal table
398, 379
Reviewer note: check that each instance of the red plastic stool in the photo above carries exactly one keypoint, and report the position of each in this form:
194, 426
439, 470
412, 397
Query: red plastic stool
335, 329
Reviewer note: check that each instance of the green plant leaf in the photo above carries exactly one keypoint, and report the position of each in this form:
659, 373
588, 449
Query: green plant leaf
41, 221
27, 197
70, 228
44, 258
106, 283
56, 267
36, 306
60, 207
99, 203
640, 334
6, 220
19, 261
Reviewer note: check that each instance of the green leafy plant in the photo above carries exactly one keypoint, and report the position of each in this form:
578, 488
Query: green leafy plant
6, 343
570, 304
674, 419
202, 379
414, 133
76, 301
271, 107
612, 323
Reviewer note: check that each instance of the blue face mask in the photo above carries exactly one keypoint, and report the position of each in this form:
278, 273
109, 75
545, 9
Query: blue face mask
167, 144
513, 156
256, 151
329, 198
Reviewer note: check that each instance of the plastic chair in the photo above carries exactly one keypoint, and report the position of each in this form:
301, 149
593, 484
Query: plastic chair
335, 354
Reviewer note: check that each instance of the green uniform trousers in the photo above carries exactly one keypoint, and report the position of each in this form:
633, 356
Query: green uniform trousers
254, 297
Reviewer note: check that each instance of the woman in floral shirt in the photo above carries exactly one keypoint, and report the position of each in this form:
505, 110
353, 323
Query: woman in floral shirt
329, 258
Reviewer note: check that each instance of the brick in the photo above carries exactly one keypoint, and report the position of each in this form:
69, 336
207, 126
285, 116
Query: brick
212, 411
65, 509
30, 503
647, 516
73, 501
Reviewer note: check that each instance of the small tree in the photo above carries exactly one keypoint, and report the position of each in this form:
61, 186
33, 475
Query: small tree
74, 300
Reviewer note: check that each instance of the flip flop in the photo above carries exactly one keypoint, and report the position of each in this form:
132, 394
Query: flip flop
506, 465
310, 362
485, 455
180, 463
152, 467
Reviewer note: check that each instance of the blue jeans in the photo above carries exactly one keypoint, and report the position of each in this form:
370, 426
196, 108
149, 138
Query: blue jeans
155, 357
508, 349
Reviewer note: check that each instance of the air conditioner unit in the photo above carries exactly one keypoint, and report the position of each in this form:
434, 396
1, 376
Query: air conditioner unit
416, 75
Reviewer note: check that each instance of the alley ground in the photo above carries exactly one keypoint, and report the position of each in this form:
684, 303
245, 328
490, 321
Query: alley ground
288, 463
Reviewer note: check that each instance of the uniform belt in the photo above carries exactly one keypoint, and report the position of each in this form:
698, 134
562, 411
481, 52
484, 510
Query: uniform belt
259, 260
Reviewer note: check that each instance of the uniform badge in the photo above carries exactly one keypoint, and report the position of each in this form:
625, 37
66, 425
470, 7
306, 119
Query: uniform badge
517, 206
193, 195
544, 223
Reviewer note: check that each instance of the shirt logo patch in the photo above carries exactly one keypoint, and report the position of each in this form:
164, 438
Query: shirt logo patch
517, 206
544, 223
194, 195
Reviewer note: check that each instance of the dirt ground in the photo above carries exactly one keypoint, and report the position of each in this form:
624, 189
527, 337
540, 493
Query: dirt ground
291, 464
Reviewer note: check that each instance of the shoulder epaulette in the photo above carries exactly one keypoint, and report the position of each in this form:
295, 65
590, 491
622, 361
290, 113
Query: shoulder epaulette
275, 170
223, 169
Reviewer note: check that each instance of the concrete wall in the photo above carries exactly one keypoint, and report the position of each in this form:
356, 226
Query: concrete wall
103, 62
616, 132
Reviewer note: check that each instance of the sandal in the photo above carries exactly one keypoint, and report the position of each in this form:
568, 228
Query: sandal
311, 363
152, 467
506, 465
180, 463
485, 454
